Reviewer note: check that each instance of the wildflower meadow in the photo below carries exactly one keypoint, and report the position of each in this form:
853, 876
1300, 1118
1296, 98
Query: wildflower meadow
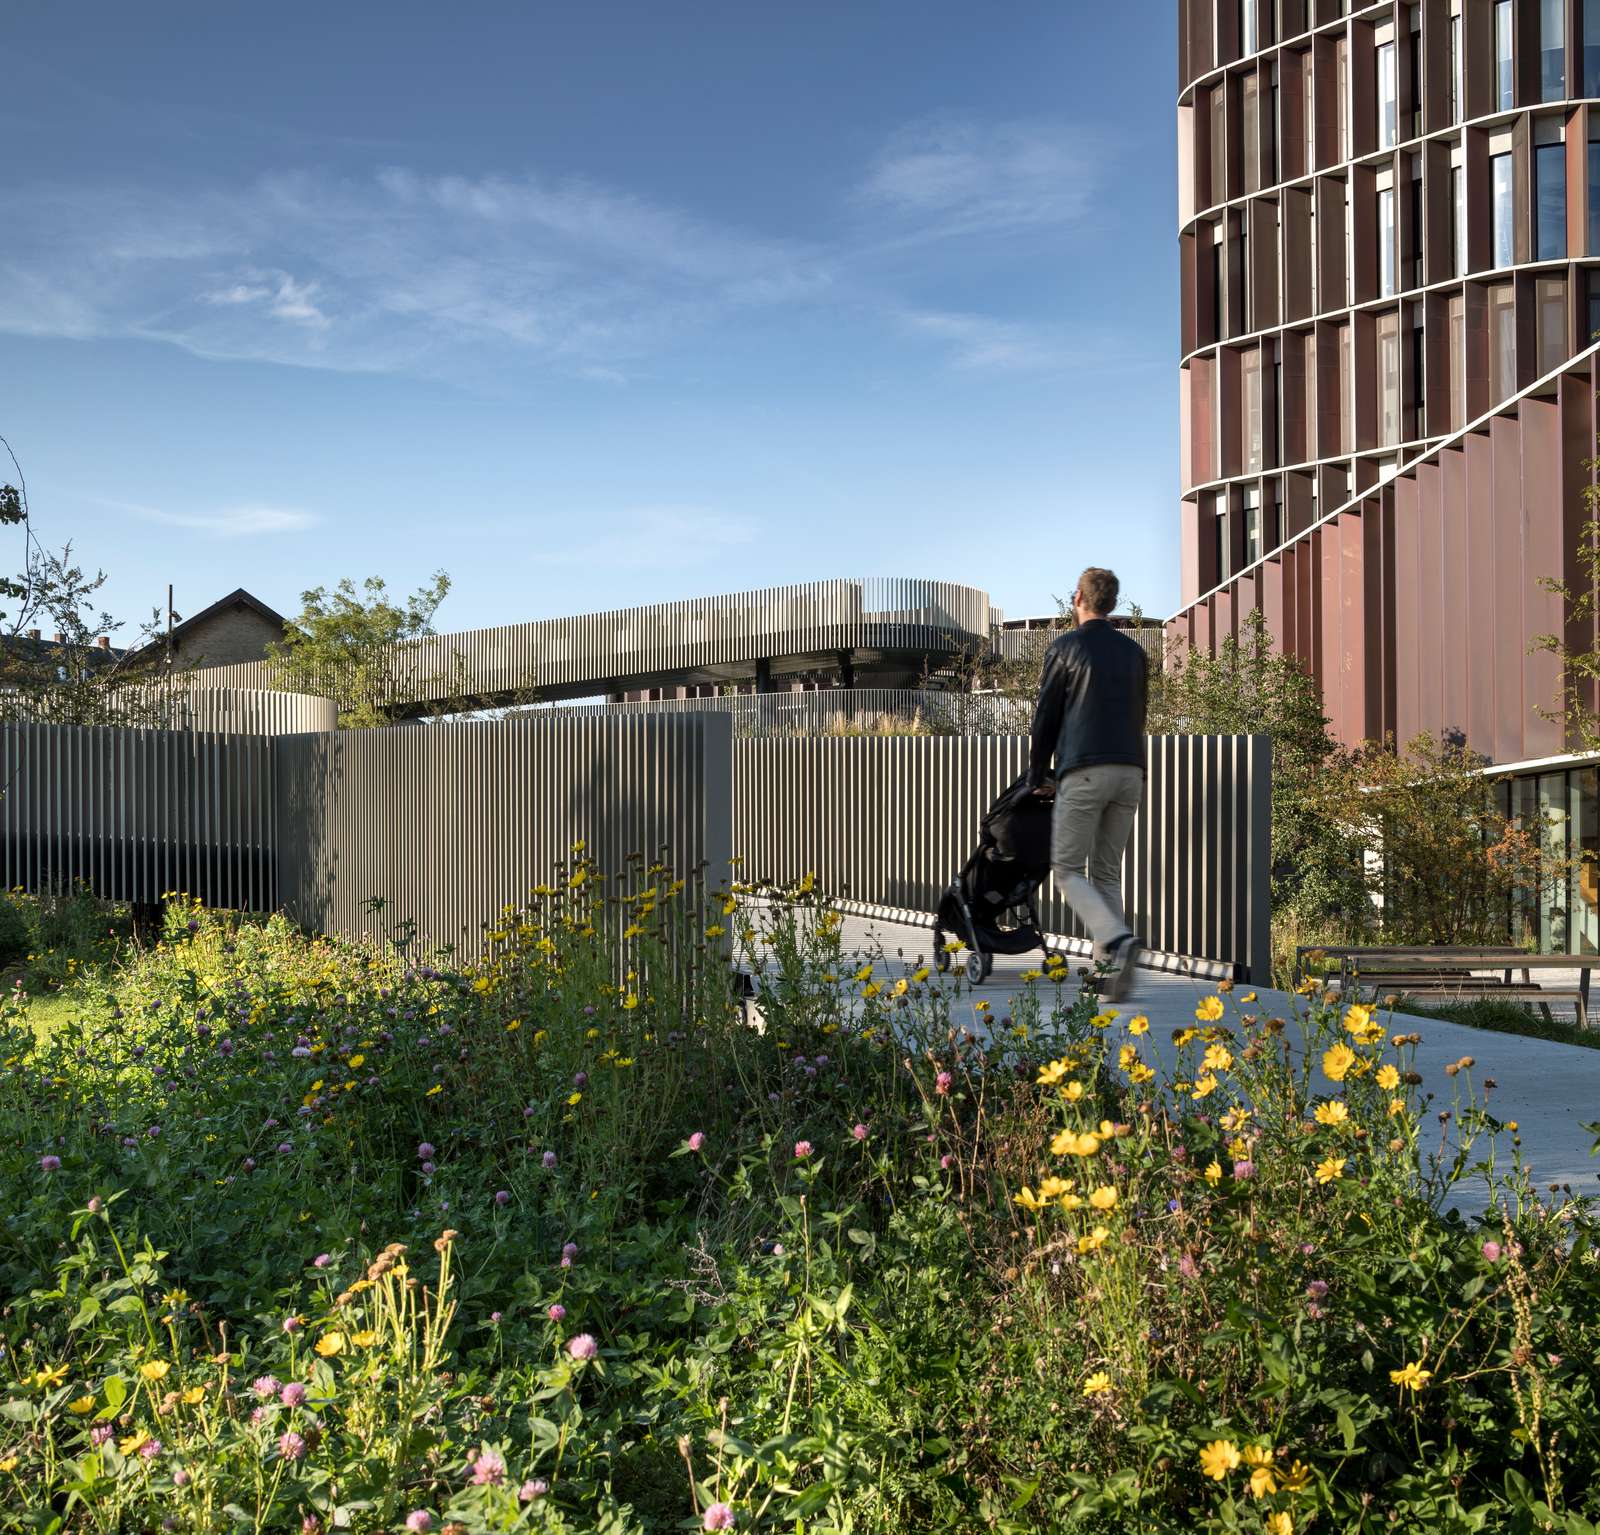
299, 1235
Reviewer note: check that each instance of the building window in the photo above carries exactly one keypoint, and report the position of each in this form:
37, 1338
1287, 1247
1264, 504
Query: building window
1250, 385
1386, 250
1311, 383
1219, 143
1388, 380
1550, 187
1504, 78
1458, 218
1246, 322
1252, 524
1414, 74
1388, 106
1308, 110
1248, 32
1594, 310
1419, 374
1594, 197
1591, 47
1251, 107
1271, 175
1341, 73
1457, 93
1550, 294
1416, 221
1347, 413
1552, 50
1458, 362
1219, 522
1502, 343
1500, 209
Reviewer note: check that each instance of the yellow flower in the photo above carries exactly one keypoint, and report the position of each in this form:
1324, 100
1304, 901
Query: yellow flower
1217, 1058
1051, 1074
1102, 1020
364, 1339
1358, 1016
1262, 1482
194, 1396
81, 1405
8, 1465
1209, 1010
1337, 1060
1296, 1479
630, 1002
901, 987
358, 1060
1412, 1378
1139, 1024
870, 990
1335, 1113
1387, 1078
574, 1099
436, 1088
133, 1443
155, 1369
920, 975
1257, 1454
1280, 1523
1070, 1143
1126, 1056
716, 930
1214, 1173
47, 1379
1097, 1384
1331, 1170
1218, 1458
1396, 1106
864, 973
1030, 1201
330, 1343
1054, 1188
1104, 1197
1205, 1086
1072, 1092
1139, 1073
1095, 1240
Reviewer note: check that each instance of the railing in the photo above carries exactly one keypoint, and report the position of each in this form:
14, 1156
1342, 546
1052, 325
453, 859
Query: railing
178, 706
446, 824
887, 823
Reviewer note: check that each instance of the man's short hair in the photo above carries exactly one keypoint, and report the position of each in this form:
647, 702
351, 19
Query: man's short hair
1097, 589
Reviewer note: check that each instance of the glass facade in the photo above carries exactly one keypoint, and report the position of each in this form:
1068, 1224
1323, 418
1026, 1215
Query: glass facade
1458, 362
1386, 243
1341, 70
1457, 93
1250, 110
1552, 50
1594, 197
1458, 218
1388, 380
1562, 810
1252, 524
1501, 244
1219, 143
1249, 32
1388, 102
1504, 76
1591, 47
1550, 192
1250, 383
1502, 342
1550, 299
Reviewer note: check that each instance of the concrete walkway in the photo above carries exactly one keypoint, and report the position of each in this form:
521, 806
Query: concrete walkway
1550, 1089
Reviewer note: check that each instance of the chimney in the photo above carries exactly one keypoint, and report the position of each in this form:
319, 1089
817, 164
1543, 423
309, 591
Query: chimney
104, 642
33, 634
58, 637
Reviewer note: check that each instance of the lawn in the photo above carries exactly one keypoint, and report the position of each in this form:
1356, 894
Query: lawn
301, 1236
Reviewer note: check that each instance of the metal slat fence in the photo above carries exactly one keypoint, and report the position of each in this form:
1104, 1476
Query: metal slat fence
885, 823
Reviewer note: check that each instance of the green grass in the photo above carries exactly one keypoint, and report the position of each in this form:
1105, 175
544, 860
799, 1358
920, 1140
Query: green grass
1503, 1018
47, 1014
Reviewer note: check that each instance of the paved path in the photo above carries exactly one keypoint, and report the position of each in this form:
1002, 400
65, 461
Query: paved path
1550, 1089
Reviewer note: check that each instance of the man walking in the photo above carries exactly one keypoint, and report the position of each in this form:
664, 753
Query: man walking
1090, 720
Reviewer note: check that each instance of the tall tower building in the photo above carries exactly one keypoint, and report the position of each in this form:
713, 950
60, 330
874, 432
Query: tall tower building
1389, 218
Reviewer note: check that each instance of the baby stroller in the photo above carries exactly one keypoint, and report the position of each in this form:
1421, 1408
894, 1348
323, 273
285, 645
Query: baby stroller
990, 906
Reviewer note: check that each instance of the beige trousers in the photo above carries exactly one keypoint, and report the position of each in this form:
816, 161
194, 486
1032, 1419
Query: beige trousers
1095, 807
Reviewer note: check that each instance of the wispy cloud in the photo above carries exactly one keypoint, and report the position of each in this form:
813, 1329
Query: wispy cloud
989, 345
282, 296
947, 176
247, 520
653, 537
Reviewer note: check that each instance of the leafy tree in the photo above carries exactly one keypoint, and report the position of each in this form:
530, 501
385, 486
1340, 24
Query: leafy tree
366, 651
1247, 688
67, 679
1580, 663
1443, 863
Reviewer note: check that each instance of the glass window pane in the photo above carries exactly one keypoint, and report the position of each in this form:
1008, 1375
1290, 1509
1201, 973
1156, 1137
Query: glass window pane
1386, 252
1551, 297
1251, 382
1583, 825
1219, 144
1458, 362
1388, 108
1251, 108
1458, 218
1247, 25
1552, 50
1456, 92
1341, 70
1504, 80
1591, 47
1500, 209
1594, 198
1252, 524
1550, 169
1388, 380
1502, 343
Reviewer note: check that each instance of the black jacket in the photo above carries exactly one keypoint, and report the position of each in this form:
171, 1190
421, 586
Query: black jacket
1091, 702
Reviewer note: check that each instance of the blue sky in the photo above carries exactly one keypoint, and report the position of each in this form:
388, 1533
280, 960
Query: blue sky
593, 304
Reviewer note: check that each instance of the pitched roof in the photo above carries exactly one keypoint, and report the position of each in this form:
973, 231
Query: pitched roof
237, 598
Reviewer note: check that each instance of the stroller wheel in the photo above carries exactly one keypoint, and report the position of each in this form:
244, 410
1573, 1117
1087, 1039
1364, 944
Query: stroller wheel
978, 967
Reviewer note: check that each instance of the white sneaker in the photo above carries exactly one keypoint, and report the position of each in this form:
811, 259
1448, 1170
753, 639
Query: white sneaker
1120, 976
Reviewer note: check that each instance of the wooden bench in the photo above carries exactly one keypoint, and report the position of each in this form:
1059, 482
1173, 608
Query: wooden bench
1456, 972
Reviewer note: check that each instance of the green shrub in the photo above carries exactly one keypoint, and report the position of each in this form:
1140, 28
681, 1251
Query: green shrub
300, 1235
15, 937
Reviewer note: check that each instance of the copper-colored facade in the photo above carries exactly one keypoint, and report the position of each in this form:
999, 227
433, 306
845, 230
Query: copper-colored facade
1390, 231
